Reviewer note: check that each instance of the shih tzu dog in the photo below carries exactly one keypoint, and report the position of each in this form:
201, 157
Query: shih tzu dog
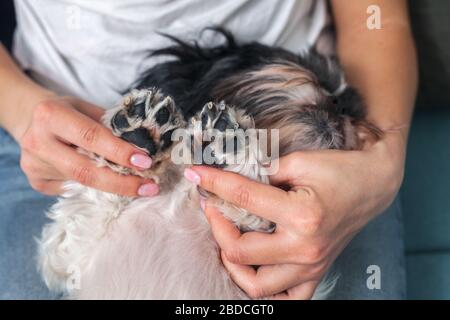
106, 246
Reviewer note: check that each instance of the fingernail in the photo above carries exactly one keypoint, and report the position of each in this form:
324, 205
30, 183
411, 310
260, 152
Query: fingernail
202, 203
148, 190
141, 161
191, 176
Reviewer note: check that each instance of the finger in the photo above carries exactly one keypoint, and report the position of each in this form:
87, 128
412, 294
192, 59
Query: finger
267, 280
38, 168
47, 187
250, 248
289, 169
301, 167
260, 199
77, 167
90, 135
304, 291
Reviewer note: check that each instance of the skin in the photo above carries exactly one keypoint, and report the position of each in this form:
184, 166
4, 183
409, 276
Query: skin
333, 194
48, 128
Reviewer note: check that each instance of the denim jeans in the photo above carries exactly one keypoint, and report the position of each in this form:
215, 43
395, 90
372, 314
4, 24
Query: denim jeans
22, 215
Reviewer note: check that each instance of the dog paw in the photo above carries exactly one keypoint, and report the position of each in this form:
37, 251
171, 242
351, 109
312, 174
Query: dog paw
146, 118
224, 142
221, 140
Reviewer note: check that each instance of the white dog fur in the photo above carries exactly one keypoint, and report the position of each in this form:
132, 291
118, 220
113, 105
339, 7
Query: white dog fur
105, 246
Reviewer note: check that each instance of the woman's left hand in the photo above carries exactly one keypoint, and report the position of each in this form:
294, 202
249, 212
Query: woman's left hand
332, 195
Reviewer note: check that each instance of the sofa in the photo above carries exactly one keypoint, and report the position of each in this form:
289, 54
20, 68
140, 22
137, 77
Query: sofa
426, 189
425, 193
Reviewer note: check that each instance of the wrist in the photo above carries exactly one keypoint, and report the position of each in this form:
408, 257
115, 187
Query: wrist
384, 162
389, 154
393, 140
394, 143
21, 118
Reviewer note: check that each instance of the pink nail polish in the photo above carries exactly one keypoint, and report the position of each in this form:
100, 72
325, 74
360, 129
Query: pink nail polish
148, 190
191, 176
141, 161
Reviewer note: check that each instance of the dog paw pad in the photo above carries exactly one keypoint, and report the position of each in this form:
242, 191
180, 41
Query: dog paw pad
146, 118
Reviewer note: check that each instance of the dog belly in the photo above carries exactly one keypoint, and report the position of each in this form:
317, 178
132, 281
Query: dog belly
146, 255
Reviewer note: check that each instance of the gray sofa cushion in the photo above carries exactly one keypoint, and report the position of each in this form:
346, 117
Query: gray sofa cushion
431, 27
426, 205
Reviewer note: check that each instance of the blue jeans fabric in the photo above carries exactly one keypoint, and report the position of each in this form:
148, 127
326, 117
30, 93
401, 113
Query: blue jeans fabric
379, 244
22, 215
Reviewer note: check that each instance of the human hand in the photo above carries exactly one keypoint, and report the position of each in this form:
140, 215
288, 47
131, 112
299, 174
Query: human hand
332, 195
56, 127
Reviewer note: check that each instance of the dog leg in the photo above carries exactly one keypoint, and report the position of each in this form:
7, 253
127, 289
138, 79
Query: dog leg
224, 143
82, 216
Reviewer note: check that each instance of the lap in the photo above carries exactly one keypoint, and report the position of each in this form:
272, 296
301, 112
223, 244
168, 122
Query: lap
22, 215
380, 245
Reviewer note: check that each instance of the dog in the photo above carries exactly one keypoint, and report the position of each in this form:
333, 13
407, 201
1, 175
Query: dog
106, 246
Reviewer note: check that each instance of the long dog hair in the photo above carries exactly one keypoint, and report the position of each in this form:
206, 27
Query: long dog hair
162, 247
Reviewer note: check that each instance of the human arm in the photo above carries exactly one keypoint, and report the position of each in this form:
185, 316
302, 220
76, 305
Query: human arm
333, 194
48, 127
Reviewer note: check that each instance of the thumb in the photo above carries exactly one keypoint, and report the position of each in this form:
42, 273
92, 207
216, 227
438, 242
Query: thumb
300, 166
289, 168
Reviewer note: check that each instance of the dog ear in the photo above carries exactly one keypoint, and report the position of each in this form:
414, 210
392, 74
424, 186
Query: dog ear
356, 128
356, 133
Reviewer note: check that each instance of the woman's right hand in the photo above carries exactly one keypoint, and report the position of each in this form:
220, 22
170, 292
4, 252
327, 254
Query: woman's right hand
56, 127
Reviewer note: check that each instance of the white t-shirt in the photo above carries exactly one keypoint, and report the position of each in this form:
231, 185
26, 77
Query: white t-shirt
95, 49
